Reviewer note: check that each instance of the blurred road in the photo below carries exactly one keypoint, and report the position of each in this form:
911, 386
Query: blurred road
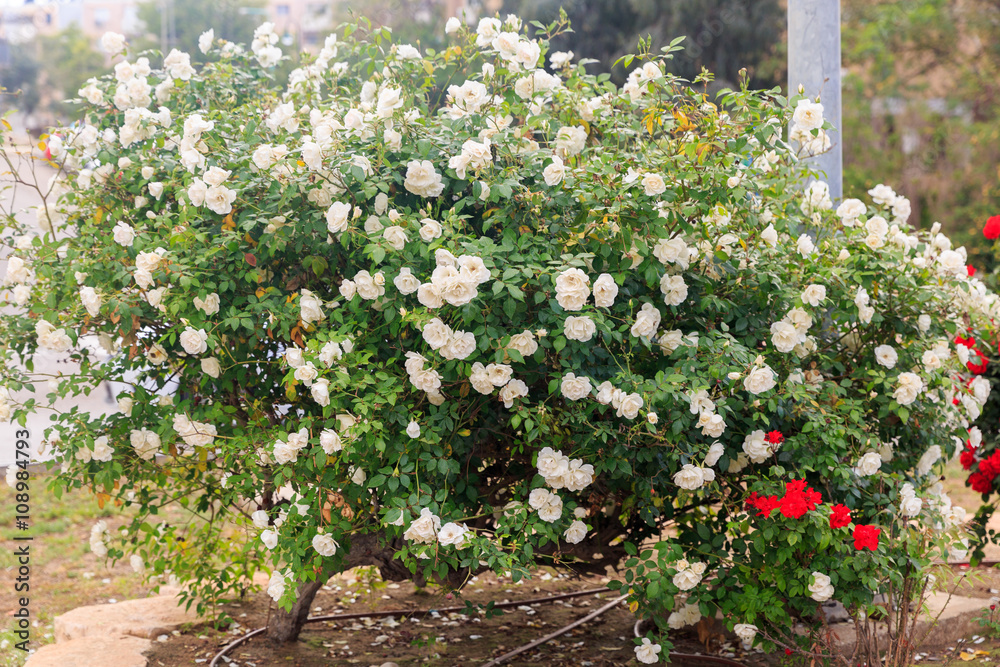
47, 364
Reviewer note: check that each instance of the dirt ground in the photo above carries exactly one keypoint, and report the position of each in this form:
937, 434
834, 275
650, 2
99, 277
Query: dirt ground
66, 575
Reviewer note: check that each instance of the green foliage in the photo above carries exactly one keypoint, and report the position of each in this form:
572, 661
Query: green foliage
439, 311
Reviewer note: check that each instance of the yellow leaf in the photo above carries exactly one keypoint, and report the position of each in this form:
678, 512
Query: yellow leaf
101, 499
465, 433
6, 124
633, 606
967, 656
98, 216
428, 67
41, 145
228, 224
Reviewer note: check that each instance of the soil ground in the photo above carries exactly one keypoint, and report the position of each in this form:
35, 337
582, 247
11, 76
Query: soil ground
65, 575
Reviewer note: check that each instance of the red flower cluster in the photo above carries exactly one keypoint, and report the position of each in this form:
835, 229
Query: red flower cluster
977, 368
992, 228
866, 537
981, 481
798, 500
774, 438
840, 516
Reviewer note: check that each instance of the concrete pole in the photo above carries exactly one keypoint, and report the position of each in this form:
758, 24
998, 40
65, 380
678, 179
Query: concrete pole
814, 63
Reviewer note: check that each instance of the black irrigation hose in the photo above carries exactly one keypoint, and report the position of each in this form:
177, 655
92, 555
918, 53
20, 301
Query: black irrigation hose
407, 612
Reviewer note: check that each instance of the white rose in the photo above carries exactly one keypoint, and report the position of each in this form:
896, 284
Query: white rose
406, 282
908, 387
576, 532
512, 390
324, 545
629, 406
338, 217
745, 631
422, 180
886, 356
453, 534
579, 328
808, 115
209, 305
653, 184
524, 343
413, 429
814, 295
647, 321
575, 388
757, 448
210, 366
424, 529
647, 652
113, 43
605, 291
868, 465
276, 586
310, 307
554, 172
572, 289
430, 229
269, 538
689, 477
124, 235
674, 289
194, 341
437, 334
820, 587
909, 506
784, 336
395, 236
759, 380
715, 453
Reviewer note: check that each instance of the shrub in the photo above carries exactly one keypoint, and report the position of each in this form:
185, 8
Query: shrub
445, 311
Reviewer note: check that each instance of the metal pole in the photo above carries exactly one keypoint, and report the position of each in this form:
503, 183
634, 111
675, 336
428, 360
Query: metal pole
814, 63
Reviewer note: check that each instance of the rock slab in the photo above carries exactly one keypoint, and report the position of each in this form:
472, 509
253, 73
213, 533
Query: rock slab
90, 651
147, 618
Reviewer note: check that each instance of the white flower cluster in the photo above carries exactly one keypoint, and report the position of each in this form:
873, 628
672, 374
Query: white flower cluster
427, 529
692, 477
561, 472
455, 280
287, 451
98, 539
688, 574
193, 433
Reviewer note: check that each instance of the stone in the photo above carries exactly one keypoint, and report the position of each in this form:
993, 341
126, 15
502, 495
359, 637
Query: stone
944, 621
147, 618
106, 651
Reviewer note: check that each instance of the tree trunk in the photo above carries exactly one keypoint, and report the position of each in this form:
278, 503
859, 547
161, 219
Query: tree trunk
285, 626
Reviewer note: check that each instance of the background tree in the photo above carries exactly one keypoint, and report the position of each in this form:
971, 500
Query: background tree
20, 80
722, 35
228, 18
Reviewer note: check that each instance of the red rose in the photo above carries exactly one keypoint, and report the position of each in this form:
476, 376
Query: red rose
992, 228
971, 269
979, 368
793, 505
967, 458
767, 504
866, 537
774, 438
840, 516
980, 483
967, 342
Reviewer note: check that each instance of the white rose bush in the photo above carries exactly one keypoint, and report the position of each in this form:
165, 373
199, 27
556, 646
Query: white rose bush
441, 312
